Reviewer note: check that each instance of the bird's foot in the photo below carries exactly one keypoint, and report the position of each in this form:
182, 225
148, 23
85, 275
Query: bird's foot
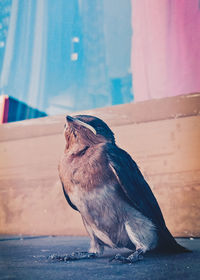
134, 257
73, 256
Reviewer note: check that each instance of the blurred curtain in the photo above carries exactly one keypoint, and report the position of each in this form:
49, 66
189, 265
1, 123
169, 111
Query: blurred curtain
165, 48
59, 56
23, 68
80, 54
37, 56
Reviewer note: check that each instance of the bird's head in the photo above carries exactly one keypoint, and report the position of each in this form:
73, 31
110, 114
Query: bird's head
86, 130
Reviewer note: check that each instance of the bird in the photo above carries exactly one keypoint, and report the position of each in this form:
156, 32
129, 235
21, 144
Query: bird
105, 185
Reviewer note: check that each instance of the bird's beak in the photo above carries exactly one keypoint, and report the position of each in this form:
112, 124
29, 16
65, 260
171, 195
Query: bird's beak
77, 121
69, 119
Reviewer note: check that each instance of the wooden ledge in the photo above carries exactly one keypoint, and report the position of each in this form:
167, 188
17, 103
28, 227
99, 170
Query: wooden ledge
146, 111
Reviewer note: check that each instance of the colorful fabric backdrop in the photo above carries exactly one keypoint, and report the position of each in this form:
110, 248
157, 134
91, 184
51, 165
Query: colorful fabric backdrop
165, 57
63, 56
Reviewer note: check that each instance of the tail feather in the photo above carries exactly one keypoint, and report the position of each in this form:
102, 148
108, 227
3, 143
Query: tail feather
167, 243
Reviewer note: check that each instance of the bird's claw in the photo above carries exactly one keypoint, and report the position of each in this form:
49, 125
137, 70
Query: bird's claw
119, 258
130, 259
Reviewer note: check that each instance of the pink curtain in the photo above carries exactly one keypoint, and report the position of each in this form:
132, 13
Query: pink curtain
165, 48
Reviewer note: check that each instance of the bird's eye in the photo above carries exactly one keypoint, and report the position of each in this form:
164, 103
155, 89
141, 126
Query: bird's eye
75, 133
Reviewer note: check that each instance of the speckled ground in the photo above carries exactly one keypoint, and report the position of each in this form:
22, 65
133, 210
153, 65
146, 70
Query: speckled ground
26, 258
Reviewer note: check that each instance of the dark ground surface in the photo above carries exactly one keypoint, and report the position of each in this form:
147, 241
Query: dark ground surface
26, 259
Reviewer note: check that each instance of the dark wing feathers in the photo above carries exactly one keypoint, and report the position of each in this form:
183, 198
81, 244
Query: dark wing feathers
68, 199
133, 184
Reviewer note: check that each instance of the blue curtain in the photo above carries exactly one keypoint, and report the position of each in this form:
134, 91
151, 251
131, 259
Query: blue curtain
64, 56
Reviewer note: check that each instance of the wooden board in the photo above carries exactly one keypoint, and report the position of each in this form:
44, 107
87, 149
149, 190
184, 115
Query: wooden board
167, 151
147, 111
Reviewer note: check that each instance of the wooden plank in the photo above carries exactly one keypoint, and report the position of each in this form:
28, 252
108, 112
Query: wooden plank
31, 197
152, 110
167, 151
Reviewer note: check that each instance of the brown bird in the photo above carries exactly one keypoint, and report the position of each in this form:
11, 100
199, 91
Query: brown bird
105, 185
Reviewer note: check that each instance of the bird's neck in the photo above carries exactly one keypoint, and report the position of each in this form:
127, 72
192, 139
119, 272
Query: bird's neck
77, 150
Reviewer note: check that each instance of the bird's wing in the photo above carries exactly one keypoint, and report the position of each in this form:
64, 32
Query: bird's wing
68, 199
133, 184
